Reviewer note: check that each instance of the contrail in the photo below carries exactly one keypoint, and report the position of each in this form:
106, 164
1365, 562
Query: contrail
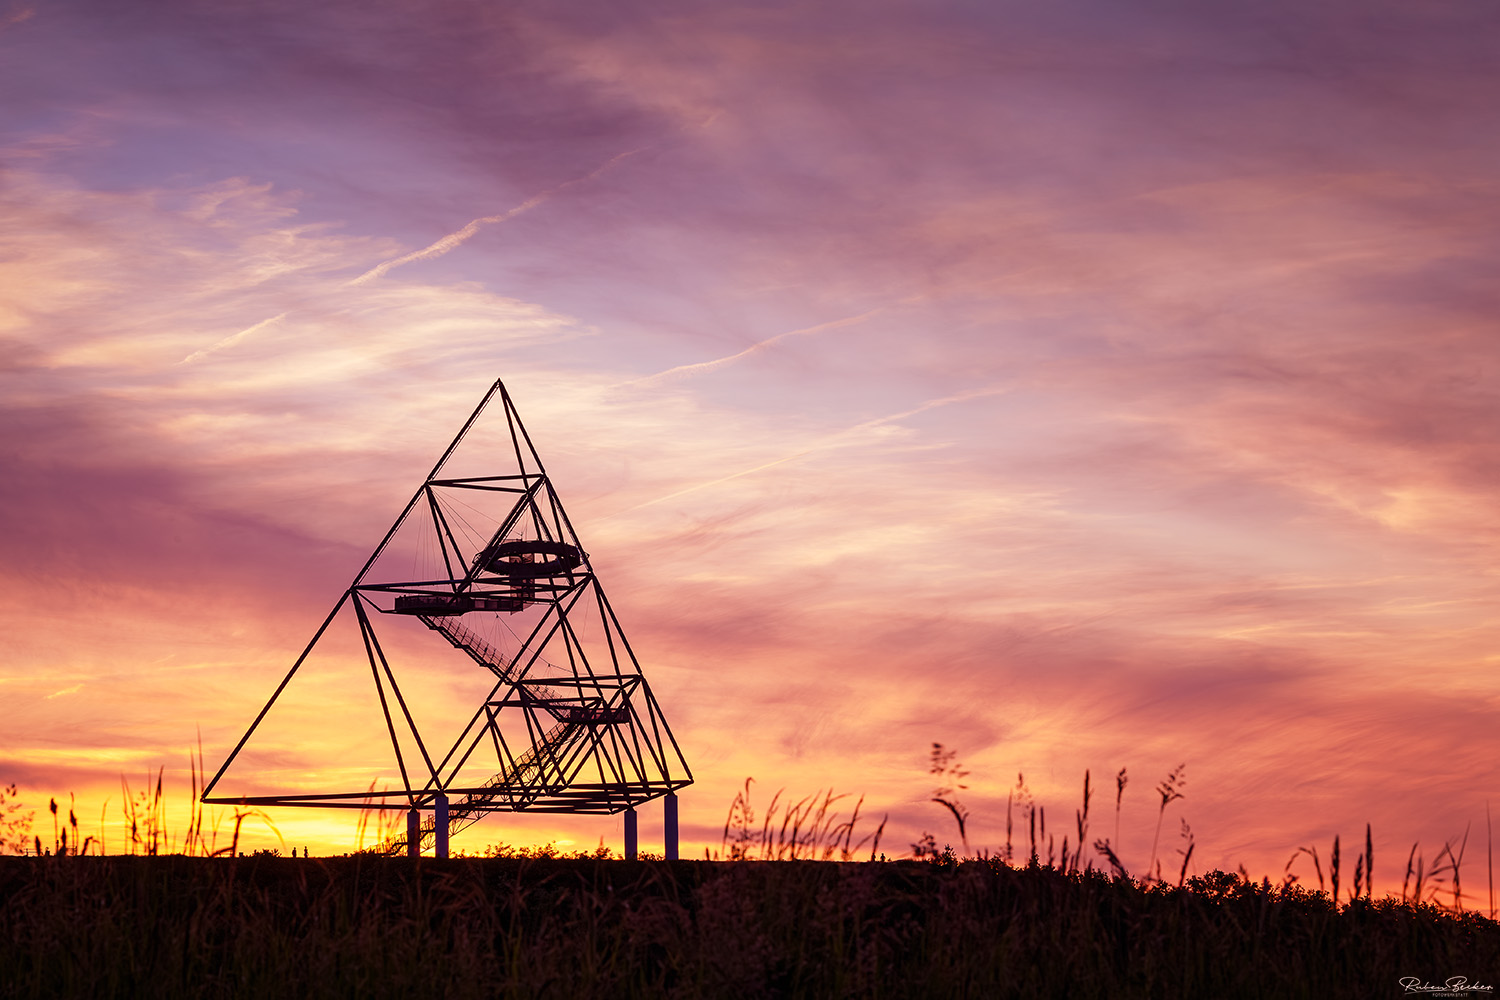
233, 338
707, 366
455, 239
836, 440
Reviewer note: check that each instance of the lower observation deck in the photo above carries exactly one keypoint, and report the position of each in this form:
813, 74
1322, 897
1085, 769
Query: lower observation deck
457, 604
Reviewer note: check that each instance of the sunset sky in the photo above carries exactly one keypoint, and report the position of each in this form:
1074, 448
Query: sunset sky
1082, 385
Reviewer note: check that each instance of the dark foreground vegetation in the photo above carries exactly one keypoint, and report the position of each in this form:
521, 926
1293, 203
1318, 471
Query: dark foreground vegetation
539, 927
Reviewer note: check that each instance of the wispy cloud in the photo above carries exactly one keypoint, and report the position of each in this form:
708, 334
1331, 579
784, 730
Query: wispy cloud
849, 436
18, 15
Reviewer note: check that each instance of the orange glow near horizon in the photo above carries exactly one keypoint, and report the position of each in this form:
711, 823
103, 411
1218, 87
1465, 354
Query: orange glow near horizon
1079, 387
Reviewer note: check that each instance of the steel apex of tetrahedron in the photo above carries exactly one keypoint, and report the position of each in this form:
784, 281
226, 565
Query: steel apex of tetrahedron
481, 588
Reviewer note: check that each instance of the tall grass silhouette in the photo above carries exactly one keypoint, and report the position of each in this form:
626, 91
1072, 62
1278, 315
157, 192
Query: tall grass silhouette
810, 828
175, 926
1437, 883
522, 922
145, 829
806, 830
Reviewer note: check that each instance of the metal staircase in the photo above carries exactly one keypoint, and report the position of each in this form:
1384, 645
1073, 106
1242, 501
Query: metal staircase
479, 651
530, 771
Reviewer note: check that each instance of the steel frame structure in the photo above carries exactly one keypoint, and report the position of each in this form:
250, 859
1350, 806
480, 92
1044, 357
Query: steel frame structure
585, 736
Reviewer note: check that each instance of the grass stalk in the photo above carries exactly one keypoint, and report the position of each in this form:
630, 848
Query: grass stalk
1333, 870
1120, 782
1170, 790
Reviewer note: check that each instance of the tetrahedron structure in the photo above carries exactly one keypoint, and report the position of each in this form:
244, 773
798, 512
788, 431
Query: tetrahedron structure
482, 586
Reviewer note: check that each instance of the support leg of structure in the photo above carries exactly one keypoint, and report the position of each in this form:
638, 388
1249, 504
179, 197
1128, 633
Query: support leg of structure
413, 834
631, 839
669, 817
440, 826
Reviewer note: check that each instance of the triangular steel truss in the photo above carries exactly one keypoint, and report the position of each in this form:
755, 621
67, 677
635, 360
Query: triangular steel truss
569, 723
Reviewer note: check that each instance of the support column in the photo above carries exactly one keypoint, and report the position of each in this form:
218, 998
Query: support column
631, 839
440, 823
413, 834
669, 817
